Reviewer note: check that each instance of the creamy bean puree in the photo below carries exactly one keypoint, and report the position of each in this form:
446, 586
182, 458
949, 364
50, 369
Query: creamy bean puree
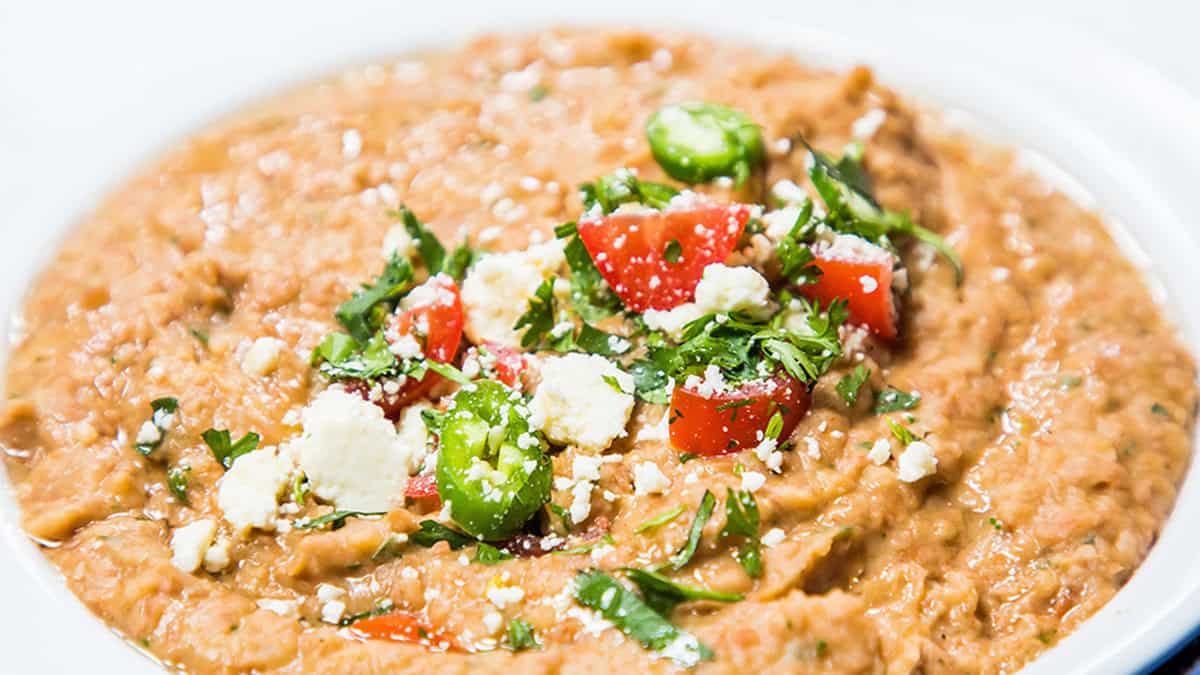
593, 351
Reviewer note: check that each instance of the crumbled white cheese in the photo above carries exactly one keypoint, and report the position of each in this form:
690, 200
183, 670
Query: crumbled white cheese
248, 493
865, 127
672, 321
868, 283
881, 452
648, 479
148, 434
497, 290
492, 622
710, 385
781, 221
352, 454
190, 542
284, 608
831, 246
351, 144
766, 453
399, 242
216, 558
660, 431
574, 405
333, 611
916, 462
586, 467
262, 357
733, 289
504, 596
773, 537
787, 191
752, 480
581, 501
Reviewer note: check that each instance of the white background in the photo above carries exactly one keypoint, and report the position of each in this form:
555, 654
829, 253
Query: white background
89, 89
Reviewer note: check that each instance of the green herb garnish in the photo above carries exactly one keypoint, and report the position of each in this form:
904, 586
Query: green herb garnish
432, 532
334, 519
892, 399
362, 315
162, 418
673, 251
663, 594
851, 383
177, 482
661, 519
624, 187
519, 636
225, 449
703, 513
490, 555
741, 520
901, 432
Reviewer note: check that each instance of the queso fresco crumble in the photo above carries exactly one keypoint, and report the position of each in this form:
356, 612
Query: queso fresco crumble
592, 350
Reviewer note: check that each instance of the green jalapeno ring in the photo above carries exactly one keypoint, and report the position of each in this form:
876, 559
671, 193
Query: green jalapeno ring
697, 142
491, 469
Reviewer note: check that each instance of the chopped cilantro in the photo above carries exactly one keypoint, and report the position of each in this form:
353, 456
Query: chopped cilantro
340, 356
850, 384
177, 482
432, 532
673, 251
774, 426
538, 320
597, 590
703, 513
741, 520
1160, 410
334, 519
381, 607
607, 540
432, 253
490, 555
996, 524
460, 260
663, 594
901, 432
892, 399
448, 371
363, 314
538, 92
200, 335
162, 418
623, 187
519, 636
225, 449
611, 380
661, 519
563, 515
685, 457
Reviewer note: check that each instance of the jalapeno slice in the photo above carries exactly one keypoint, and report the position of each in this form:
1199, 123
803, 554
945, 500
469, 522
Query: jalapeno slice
696, 142
491, 468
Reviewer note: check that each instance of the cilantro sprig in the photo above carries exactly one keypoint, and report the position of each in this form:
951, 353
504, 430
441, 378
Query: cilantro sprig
624, 187
741, 520
225, 449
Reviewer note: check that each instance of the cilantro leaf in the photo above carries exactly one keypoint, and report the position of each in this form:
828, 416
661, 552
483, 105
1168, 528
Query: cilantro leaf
225, 449
741, 520
432, 532
362, 315
663, 594
460, 260
177, 482
901, 432
162, 418
850, 384
538, 319
591, 297
382, 607
794, 252
340, 356
892, 399
490, 555
598, 591
703, 513
623, 187
336, 520
649, 381
661, 519
519, 636
432, 253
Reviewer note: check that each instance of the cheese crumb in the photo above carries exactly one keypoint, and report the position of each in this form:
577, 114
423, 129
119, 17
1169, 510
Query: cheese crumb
916, 462
881, 452
752, 480
672, 321
497, 290
773, 537
263, 356
733, 289
352, 455
190, 542
575, 405
216, 558
503, 596
399, 242
492, 622
248, 493
648, 479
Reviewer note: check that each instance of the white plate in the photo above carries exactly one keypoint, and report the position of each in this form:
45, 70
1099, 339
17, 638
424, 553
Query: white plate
91, 97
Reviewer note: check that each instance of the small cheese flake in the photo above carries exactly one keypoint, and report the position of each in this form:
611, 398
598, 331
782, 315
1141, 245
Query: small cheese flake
916, 462
189, 544
333, 611
865, 127
216, 558
262, 357
496, 292
351, 144
881, 452
505, 596
752, 480
648, 479
285, 608
492, 622
399, 242
248, 493
576, 405
773, 537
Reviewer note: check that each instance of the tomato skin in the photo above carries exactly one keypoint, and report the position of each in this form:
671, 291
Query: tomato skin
510, 363
628, 249
444, 320
844, 279
423, 486
701, 428
404, 627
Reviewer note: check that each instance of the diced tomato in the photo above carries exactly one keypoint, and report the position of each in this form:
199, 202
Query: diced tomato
404, 627
423, 486
632, 250
732, 421
438, 327
510, 363
866, 286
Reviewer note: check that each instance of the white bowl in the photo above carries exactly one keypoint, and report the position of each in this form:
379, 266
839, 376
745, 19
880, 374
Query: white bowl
116, 84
